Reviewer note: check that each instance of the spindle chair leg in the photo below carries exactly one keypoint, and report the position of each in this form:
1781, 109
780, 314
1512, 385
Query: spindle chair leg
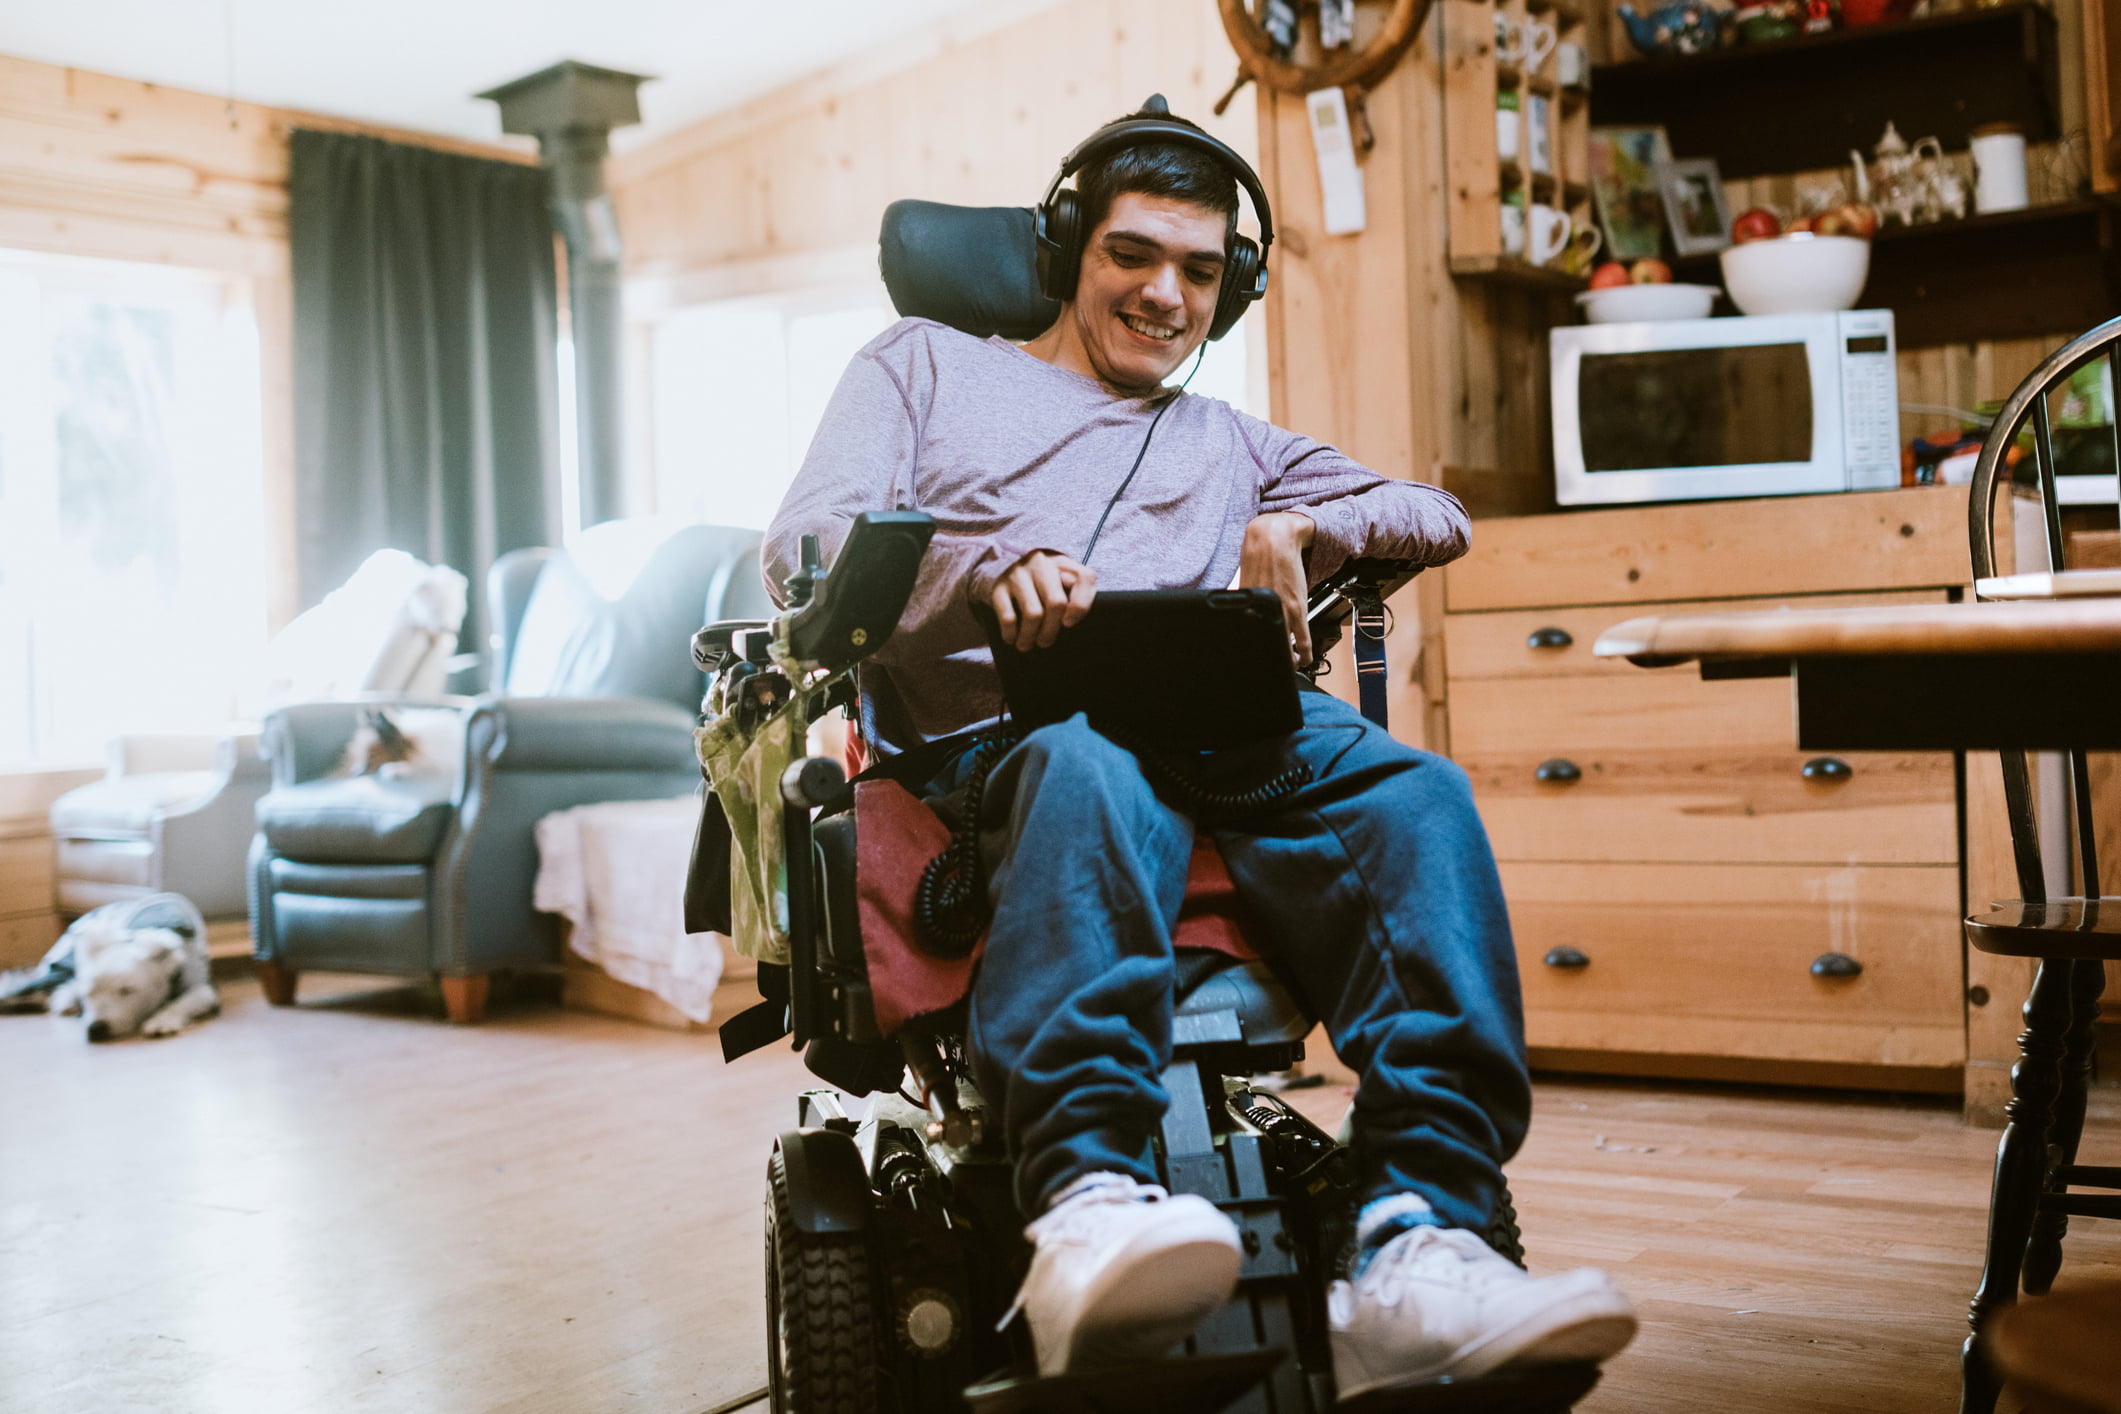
2022, 1168
2043, 1255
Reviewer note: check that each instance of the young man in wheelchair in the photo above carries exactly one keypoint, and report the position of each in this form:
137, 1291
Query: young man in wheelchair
1063, 466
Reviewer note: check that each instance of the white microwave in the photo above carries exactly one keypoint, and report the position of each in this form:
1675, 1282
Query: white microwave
1691, 409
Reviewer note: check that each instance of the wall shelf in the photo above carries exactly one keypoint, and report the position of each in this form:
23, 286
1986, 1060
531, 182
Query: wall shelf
2009, 275
1504, 270
1480, 173
1802, 103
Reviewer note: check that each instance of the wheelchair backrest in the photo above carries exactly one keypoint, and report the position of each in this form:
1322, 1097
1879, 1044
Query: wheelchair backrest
974, 268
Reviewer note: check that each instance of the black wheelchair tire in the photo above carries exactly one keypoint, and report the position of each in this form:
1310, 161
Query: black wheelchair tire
821, 1351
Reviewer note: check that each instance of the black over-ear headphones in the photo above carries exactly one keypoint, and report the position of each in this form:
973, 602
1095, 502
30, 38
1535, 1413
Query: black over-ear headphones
1058, 220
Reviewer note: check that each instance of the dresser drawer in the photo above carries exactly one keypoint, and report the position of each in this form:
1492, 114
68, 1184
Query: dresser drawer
1692, 960
1520, 643
25, 874
1730, 806
25, 939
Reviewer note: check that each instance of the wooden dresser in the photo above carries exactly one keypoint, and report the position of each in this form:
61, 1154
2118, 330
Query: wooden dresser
29, 918
1691, 894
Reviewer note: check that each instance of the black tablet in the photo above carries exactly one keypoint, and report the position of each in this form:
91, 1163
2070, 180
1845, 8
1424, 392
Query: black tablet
1169, 669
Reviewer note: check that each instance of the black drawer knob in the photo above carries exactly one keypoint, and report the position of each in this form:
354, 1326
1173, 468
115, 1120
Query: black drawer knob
1828, 768
1567, 957
1558, 772
1549, 638
1836, 964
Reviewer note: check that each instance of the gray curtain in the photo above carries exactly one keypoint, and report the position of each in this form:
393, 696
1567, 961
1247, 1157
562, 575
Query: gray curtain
426, 400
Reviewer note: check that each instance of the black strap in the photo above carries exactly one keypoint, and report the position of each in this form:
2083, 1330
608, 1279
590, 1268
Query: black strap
1370, 652
762, 1025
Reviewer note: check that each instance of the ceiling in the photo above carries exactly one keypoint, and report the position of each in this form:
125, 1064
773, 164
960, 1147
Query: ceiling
416, 63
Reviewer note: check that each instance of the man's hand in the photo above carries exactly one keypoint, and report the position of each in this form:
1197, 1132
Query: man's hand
1273, 558
1040, 595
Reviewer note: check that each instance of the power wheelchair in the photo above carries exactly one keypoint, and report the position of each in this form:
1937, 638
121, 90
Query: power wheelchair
893, 1237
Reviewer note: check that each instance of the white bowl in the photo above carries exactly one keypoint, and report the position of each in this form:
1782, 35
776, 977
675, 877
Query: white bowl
1800, 273
1631, 304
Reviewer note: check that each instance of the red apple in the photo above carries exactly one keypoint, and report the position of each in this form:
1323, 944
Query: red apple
1650, 272
1756, 224
1802, 223
1832, 222
1608, 275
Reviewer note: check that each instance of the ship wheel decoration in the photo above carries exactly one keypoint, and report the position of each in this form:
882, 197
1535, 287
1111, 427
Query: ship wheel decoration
1267, 41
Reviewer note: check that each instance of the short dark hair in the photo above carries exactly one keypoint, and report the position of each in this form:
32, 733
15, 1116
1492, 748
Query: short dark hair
1155, 169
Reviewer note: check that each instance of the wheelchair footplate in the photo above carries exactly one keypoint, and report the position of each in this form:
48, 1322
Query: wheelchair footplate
1197, 1384
1534, 1389
1204, 1384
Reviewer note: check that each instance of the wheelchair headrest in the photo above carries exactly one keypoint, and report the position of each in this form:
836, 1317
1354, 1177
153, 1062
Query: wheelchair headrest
974, 268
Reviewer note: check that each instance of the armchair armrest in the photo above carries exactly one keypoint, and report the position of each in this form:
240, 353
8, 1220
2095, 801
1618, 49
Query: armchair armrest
579, 734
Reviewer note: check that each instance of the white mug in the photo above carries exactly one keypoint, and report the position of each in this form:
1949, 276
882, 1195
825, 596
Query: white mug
1572, 65
1546, 232
1513, 229
1537, 43
1999, 169
1538, 137
1507, 125
1509, 40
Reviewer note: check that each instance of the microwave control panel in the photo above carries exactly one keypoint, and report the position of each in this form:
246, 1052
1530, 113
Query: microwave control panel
1870, 400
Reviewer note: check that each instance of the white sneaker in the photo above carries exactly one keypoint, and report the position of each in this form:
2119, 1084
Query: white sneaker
1123, 1271
1439, 1301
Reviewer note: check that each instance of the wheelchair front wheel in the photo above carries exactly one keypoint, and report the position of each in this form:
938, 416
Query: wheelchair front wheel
820, 1314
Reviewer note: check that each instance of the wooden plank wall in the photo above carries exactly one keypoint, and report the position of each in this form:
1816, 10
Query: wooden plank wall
92, 165
1375, 348
977, 110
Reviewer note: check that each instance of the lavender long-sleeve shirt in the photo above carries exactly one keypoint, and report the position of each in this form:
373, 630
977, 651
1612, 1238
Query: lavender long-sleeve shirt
1012, 454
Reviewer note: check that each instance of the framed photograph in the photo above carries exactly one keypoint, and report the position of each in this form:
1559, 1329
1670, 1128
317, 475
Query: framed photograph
1624, 166
1695, 205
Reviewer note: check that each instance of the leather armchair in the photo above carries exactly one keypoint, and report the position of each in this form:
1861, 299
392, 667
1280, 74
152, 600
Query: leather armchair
430, 872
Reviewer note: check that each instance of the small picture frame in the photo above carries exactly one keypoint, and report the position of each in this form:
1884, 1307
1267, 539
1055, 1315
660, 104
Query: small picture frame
1694, 204
1624, 163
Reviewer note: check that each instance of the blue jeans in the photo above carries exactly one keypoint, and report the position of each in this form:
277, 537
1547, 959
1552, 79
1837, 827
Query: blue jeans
1372, 890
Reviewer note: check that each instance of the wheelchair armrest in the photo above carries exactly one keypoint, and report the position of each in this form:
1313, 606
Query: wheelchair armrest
1333, 602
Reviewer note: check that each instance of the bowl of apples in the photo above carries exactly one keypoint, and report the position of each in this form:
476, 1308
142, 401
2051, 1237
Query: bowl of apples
1628, 294
1814, 265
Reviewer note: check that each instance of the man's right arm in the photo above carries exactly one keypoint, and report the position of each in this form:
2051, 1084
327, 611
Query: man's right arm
863, 458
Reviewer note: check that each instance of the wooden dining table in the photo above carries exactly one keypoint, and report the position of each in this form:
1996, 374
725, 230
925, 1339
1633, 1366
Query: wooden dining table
2038, 674
2036, 667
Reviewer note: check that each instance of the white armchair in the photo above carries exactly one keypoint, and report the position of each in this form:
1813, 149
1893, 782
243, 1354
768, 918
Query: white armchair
175, 812
172, 813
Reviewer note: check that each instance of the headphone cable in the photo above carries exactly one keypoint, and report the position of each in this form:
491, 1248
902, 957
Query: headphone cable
1099, 528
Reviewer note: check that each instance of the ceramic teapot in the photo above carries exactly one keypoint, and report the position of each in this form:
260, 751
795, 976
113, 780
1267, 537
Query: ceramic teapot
1889, 181
1685, 28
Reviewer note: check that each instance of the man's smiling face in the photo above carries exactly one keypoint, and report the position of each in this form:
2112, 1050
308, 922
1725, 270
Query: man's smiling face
1146, 295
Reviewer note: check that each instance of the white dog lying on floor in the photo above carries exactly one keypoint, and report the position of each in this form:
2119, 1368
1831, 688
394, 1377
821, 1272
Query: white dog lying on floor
120, 977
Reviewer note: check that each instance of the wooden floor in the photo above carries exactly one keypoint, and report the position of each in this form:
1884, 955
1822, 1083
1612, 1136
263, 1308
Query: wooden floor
352, 1206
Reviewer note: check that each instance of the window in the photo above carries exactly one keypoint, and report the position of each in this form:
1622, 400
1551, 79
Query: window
738, 386
132, 536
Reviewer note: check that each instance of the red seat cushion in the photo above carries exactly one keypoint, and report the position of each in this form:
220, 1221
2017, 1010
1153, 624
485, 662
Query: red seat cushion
897, 837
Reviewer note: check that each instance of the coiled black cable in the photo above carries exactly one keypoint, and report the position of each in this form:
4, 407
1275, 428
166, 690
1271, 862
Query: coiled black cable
1205, 800
950, 905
